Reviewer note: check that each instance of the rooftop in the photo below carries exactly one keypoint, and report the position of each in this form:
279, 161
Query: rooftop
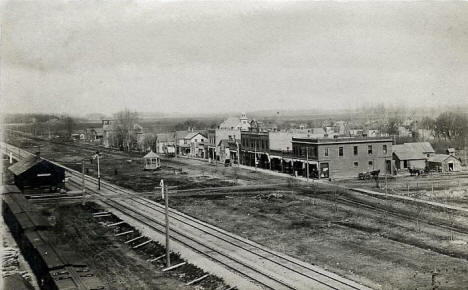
24, 165
151, 154
404, 152
341, 140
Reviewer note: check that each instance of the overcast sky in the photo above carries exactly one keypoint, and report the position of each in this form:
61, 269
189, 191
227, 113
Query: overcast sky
102, 56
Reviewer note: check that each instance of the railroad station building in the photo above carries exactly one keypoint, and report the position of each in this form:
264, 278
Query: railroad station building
340, 157
35, 172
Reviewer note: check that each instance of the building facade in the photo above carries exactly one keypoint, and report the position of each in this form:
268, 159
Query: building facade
341, 157
255, 146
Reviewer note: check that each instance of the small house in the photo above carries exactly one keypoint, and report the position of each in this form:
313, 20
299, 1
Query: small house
35, 172
412, 155
444, 163
152, 161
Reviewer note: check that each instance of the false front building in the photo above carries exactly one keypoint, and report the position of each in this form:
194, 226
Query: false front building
341, 157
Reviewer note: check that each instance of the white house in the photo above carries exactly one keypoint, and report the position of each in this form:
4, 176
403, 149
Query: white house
234, 123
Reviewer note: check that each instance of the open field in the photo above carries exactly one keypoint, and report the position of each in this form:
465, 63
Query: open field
383, 244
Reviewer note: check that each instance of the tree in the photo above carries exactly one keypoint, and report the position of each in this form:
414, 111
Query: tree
123, 129
69, 125
427, 123
392, 125
449, 125
149, 141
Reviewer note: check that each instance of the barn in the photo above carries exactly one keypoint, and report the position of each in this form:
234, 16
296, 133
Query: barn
35, 172
444, 163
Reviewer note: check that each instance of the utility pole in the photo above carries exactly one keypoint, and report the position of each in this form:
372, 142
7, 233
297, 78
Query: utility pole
238, 154
165, 195
98, 172
255, 154
83, 175
83, 180
307, 163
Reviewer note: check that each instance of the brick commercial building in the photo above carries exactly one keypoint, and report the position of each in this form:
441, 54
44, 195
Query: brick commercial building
341, 157
255, 146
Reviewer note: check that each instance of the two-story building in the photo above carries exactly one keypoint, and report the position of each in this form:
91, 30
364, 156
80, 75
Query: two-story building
227, 132
255, 145
192, 145
341, 157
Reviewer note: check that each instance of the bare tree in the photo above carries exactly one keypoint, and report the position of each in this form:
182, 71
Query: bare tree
149, 141
123, 128
69, 125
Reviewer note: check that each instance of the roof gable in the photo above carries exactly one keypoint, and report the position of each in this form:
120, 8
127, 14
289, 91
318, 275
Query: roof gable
424, 147
193, 135
24, 165
151, 154
438, 158
230, 123
404, 152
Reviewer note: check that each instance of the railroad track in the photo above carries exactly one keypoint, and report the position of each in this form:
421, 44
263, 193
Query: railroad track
401, 215
293, 265
265, 267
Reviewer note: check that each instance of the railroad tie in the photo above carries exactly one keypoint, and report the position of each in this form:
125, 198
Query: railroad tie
157, 258
142, 244
197, 280
102, 215
116, 224
173, 267
123, 233
129, 241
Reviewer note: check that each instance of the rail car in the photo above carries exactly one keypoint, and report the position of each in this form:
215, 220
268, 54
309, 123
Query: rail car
54, 266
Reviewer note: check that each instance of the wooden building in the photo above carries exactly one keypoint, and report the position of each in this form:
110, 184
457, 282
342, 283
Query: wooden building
152, 161
35, 172
412, 155
444, 163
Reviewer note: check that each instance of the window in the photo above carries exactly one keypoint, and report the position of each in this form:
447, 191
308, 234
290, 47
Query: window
371, 163
369, 149
355, 150
356, 164
385, 149
340, 151
326, 152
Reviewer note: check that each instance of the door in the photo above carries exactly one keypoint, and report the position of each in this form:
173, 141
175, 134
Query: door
450, 166
324, 170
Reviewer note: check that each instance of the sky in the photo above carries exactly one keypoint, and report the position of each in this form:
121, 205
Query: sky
196, 57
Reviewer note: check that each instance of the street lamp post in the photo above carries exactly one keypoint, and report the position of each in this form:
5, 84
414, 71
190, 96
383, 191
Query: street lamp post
97, 156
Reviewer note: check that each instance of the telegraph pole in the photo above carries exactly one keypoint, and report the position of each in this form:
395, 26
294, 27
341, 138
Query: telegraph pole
98, 173
83, 180
307, 163
255, 154
165, 195
83, 175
